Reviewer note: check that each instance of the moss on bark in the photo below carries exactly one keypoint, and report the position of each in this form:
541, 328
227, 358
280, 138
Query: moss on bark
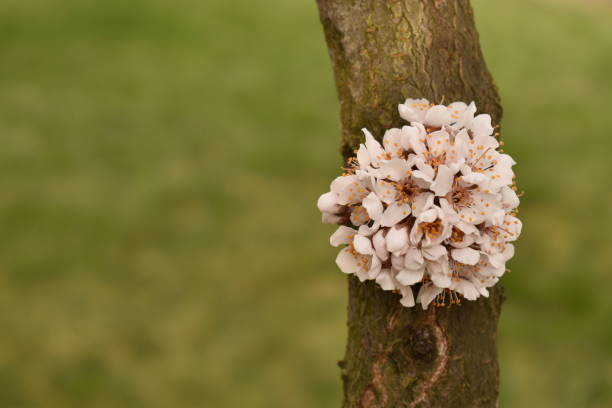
382, 52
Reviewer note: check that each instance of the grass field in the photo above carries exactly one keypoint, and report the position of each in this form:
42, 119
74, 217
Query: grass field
160, 164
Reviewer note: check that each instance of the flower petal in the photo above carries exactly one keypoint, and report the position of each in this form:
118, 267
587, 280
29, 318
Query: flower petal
427, 294
407, 299
394, 214
413, 110
444, 180
438, 116
466, 256
380, 245
466, 288
375, 268
328, 218
327, 203
397, 239
347, 262
435, 252
410, 277
414, 258
363, 245
395, 169
481, 125
363, 157
373, 206
342, 236
374, 148
384, 280
392, 142
385, 191
367, 230
509, 198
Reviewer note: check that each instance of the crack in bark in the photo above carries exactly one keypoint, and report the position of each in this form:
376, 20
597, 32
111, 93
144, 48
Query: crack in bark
370, 399
441, 361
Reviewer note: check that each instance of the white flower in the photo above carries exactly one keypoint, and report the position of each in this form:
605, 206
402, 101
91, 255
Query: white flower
431, 208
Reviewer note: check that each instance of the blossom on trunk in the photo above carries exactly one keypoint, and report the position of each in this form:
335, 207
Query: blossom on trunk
429, 211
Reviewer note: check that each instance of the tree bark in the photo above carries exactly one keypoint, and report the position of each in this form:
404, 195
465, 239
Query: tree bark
384, 51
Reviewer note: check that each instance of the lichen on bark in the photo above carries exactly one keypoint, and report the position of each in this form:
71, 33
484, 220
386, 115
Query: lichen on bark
382, 52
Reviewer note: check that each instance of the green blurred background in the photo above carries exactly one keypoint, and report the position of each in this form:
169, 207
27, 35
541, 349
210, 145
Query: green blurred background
160, 162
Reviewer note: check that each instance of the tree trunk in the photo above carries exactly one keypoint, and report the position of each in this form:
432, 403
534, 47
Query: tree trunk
384, 51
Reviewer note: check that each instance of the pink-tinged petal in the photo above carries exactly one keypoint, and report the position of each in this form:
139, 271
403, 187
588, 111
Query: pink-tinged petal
481, 125
498, 261
501, 174
486, 143
394, 214
513, 228
509, 198
407, 299
395, 169
375, 268
366, 179
363, 245
450, 215
466, 228
342, 236
385, 191
362, 275
471, 215
495, 217
384, 280
422, 202
466, 256
439, 273
508, 252
413, 110
444, 181
462, 114
440, 280
327, 203
374, 148
427, 294
348, 189
373, 206
380, 245
392, 142
438, 142
347, 262
328, 218
438, 116
474, 178
414, 258
466, 288
367, 230
484, 207
397, 239
428, 216
460, 147
353, 194
433, 253
363, 157
341, 183
397, 261
415, 137
409, 277
480, 287
425, 171
410, 135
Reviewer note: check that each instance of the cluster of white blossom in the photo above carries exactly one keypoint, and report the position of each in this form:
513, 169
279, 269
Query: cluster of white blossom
433, 207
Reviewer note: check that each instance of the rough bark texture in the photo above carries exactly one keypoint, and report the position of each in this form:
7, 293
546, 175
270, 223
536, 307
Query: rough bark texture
384, 51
